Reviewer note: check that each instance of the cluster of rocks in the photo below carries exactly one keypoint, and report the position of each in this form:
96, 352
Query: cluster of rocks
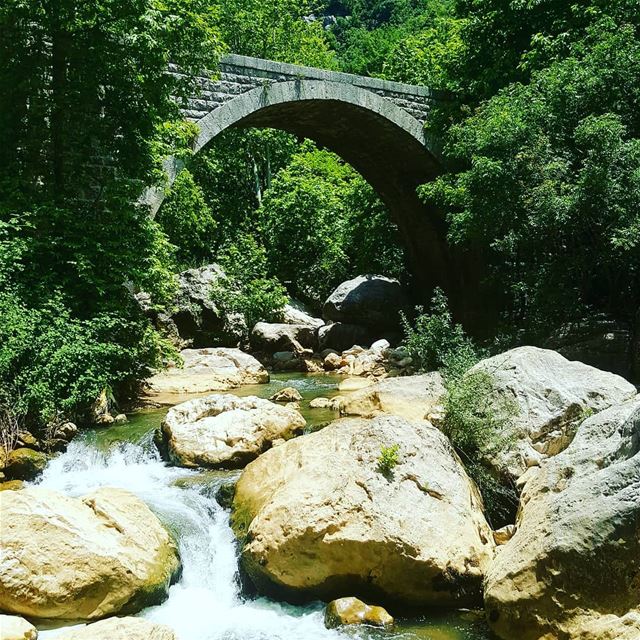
25, 456
377, 505
360, 311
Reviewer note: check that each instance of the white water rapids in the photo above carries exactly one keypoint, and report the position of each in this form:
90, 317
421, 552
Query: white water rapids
206, 603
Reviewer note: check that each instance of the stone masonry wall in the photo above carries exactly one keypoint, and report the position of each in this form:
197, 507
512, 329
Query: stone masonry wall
239, 74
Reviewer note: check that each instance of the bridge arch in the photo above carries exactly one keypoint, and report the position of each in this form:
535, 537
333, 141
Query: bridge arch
373, 125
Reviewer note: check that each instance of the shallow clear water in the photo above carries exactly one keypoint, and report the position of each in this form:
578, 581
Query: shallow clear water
206, 604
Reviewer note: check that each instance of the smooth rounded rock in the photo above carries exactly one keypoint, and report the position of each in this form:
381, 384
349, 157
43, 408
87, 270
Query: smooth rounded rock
81, 559
206, 370
24, 464
317, 517
350, 611
368, 300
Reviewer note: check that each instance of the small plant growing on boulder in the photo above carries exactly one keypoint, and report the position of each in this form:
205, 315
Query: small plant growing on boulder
388, 459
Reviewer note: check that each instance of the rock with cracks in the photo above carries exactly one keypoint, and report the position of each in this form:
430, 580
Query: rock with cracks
411, 397
572, 568
81, 559
225, 431
552, 396
318, 518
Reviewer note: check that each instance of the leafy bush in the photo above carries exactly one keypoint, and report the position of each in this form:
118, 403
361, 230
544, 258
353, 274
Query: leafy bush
54, 364
188, 222
475, 422
388, 459
434, 341
246, 288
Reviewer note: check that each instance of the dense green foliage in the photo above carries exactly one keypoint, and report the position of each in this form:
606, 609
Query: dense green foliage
321, 224
248, 291
474, 419
541, 139
433, 341
86, 112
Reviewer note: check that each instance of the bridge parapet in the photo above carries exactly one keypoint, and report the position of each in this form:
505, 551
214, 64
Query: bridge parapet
240, 74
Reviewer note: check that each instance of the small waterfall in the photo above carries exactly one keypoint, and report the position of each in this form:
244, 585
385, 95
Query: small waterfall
206, 603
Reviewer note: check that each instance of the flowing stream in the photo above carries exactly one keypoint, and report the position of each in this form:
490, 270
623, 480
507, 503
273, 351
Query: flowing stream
207, 603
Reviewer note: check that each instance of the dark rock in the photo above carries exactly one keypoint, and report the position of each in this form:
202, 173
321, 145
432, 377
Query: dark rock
599, 341
340, 336
24, 464
370, 300
192, 318
273, 337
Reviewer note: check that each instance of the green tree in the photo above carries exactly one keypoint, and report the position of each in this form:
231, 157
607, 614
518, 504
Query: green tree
276, 30
87, 109
549, 182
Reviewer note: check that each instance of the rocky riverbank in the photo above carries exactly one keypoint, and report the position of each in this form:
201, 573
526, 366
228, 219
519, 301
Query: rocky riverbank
356, 497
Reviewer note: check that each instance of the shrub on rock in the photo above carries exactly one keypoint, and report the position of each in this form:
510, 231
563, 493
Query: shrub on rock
317, 518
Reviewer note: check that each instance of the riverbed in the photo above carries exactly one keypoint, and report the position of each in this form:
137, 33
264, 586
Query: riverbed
207, 602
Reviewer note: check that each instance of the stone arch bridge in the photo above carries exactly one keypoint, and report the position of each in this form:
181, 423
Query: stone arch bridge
375, 125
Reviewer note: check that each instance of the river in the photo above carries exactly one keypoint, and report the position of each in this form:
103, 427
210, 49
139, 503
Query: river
207, 602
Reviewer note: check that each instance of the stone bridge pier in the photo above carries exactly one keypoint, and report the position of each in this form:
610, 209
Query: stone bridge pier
375, 125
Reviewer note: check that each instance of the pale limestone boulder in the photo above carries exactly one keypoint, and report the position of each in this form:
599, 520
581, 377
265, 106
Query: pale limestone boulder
552, 395
225, 431
16, 628
411, 397
572, 568
349, 611
288, 394
81, 559
120, 629
206, 370
318, 518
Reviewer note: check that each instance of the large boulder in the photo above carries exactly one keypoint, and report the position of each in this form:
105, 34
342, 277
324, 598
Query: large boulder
224, 431
16, 628
120, 629
320, 516
295, 312
192, 318
81, 559
411, 397
272, 337
340, 336
369, 300
206, 370
552, 396
572, 568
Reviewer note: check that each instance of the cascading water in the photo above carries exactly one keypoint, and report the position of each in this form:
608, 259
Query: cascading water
206, 603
